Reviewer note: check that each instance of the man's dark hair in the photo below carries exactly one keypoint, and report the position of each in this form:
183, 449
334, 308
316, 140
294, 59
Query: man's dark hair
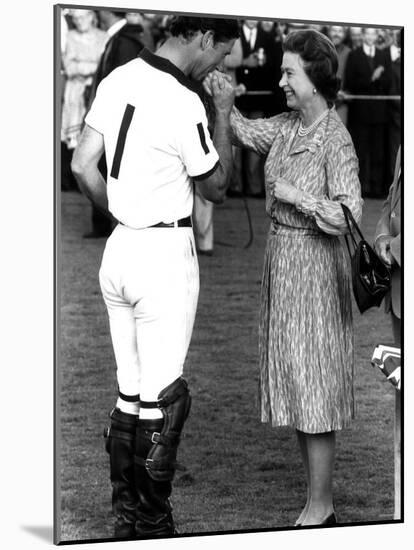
119, 14
320, 59
223, 29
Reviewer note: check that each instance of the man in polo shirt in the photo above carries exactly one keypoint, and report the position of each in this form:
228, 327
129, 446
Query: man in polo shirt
152, 125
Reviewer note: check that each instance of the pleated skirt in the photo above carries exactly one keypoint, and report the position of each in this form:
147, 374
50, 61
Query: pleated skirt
305, 333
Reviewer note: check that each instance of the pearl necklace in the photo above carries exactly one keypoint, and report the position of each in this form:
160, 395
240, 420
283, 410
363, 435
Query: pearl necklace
305, 131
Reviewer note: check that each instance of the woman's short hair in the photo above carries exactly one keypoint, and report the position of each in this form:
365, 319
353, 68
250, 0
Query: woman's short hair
320, 60
223, 29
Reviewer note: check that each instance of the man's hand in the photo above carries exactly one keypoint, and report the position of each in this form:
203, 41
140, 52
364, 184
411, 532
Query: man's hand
377, 73
251, 62
285, 192
382, 247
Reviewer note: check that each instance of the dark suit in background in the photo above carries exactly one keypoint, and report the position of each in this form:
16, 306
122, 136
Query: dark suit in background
394, 114
367, 119
389, 227
250, 166
122, 47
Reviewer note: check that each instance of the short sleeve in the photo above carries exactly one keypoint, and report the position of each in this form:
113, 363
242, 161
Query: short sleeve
194, 143
98, 113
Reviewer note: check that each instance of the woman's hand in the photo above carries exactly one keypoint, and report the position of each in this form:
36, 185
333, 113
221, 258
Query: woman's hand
218, 86
285, 192
382, 246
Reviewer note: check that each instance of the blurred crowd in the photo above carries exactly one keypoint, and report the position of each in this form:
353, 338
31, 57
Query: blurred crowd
94, 42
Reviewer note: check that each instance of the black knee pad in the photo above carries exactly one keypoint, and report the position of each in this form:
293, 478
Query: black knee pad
174, 401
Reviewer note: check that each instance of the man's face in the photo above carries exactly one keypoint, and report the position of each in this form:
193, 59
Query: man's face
384, 38
369, 36
267, 26
82, 19
211, 58
251, 23
134, 18
356, 36
337, 35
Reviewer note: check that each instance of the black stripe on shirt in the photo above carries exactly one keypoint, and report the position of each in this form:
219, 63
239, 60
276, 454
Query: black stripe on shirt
207, 174
120, 144
202, 138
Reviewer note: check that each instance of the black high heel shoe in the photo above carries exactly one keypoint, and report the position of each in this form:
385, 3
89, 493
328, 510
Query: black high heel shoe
330, 520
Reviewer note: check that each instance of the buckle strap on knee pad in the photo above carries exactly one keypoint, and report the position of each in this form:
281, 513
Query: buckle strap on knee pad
172, 438
174, 402
160, 465
168, 395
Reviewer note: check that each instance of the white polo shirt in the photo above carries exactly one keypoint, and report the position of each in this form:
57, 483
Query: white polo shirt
156, 140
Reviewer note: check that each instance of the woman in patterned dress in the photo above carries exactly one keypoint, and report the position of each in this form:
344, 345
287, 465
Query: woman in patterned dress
306, 336
84, 46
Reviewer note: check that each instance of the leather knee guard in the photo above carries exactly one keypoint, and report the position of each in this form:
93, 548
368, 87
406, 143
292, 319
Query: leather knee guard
174, 401
120, 444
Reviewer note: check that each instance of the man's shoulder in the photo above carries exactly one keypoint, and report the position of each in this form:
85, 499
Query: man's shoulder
125, 71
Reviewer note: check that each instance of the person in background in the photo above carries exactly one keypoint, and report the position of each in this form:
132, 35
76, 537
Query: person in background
388, 246
368, 72
203, 209
393, 52
281, 31
306, 332
137, 18
84, 45
317, 27
338, 35
64, 28
384, 38
123, 45
355, 36
277, 103
269, 27
230, 65
258, 72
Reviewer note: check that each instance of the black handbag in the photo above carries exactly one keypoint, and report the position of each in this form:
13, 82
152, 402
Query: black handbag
371, 278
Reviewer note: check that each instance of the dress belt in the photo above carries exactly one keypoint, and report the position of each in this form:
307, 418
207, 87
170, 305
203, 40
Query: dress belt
183, 222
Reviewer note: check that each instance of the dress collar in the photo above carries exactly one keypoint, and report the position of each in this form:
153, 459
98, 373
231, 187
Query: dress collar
311, 141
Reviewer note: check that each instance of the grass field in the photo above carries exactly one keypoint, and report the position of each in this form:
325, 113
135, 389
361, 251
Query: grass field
237, 473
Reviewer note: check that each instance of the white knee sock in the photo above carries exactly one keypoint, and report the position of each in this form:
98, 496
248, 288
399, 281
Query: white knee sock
148, 414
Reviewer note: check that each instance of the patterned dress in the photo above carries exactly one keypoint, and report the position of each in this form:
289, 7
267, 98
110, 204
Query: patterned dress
80, 61
305, 333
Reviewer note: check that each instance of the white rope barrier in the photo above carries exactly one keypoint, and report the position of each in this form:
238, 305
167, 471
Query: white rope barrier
372, 97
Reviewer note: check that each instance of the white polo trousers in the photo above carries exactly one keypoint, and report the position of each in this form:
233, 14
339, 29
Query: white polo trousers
150, 283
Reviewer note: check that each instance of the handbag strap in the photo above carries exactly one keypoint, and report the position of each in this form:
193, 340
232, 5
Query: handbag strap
350, 221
